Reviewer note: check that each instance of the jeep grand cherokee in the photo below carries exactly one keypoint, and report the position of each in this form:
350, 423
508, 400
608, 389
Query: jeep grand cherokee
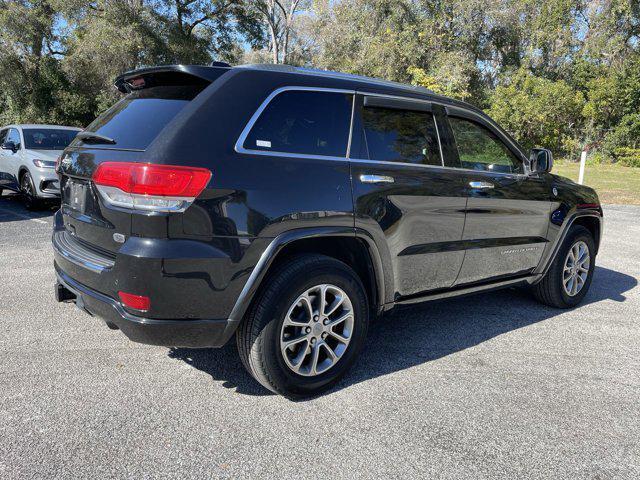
290, 206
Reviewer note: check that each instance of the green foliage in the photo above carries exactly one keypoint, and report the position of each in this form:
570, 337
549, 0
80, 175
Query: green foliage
59, 57
380, 38
625, 134
538, 111
554, 73
629, 157
614, 95
450, 75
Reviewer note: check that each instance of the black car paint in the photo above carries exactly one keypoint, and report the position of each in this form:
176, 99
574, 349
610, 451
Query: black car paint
202, 268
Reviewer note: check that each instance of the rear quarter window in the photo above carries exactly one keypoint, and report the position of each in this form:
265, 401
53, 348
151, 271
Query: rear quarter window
303, 122
136, 120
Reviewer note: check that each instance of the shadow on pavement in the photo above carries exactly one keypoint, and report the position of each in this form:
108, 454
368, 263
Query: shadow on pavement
12, 209
413, 335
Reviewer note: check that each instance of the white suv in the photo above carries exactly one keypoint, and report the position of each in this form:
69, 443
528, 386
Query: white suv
28, 159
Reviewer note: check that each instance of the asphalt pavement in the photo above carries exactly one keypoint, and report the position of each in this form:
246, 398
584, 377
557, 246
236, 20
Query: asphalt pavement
489, 386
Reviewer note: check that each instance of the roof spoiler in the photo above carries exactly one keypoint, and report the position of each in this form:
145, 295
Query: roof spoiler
169, 75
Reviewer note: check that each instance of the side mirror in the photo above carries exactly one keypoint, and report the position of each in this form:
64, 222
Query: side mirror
541, 160
9, 146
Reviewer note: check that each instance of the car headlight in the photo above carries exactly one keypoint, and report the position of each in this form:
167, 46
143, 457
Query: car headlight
44, 163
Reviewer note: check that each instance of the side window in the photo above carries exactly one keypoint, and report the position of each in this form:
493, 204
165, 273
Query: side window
304, 122
394, 135
14, 136
3, 135
481, 149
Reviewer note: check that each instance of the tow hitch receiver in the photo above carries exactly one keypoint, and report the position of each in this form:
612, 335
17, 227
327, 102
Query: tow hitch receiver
63, 294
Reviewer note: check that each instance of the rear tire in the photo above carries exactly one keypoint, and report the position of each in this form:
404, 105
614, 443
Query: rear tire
557, 288
29, 194
317, 305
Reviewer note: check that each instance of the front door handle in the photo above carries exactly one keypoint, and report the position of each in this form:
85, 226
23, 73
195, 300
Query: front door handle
481, 185
376, 179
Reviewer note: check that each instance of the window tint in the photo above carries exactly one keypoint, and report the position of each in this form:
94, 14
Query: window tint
305, 122
137, 119
481, 149
3, 135
47, 138
393, 135
14, 136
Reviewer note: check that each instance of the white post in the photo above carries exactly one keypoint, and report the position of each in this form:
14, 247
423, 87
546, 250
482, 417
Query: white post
583, 161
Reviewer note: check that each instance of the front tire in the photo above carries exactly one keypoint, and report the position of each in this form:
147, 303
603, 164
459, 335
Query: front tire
306, 328
29, 194
569, 277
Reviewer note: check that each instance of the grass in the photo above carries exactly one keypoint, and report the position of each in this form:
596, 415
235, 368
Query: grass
614, 183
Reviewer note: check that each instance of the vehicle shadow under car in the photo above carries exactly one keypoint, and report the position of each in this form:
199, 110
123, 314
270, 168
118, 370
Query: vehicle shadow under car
12, 209
420, 333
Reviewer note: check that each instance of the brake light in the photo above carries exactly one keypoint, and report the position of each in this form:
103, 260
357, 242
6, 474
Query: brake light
144, 186
136, 302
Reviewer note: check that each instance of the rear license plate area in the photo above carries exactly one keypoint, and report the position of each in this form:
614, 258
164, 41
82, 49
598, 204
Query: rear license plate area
76, 195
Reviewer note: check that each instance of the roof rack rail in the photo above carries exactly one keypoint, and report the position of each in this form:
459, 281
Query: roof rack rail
332, 74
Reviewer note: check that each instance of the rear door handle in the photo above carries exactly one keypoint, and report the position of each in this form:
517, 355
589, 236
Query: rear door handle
481, 185
364, 178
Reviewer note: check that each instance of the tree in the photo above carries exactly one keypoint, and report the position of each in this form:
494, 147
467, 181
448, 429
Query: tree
554, 72
67, 52
370, 37
279, 17
538, 111
32, 85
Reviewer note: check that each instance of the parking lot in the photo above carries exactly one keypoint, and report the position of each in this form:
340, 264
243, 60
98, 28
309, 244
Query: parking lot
481, 387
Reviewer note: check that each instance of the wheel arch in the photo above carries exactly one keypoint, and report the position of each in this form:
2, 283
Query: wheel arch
21, 171
340, 243
590, 220
593, 224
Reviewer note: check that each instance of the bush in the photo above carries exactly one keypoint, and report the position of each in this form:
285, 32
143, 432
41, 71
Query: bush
629, 157
626, 135
597, 158
538, 111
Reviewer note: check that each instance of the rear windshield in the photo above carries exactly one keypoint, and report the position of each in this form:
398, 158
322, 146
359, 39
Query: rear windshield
47, 138
136, 120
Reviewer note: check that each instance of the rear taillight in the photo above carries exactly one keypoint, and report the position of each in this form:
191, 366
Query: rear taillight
144, 186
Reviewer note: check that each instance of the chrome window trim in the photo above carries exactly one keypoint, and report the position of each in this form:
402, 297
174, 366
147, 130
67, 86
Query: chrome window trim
239, 148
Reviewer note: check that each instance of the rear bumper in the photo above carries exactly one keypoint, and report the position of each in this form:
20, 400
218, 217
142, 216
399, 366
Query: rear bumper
168, 333
185, 279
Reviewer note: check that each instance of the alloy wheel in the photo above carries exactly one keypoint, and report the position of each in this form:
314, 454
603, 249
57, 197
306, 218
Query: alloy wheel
317, 330
576, 268
27, 187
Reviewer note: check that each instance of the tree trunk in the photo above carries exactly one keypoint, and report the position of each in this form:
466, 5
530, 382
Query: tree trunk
274, 43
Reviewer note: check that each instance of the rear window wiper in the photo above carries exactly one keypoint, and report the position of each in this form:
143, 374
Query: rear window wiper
92, 137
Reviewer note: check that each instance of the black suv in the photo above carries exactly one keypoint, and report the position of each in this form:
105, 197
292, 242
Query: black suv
290, 206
